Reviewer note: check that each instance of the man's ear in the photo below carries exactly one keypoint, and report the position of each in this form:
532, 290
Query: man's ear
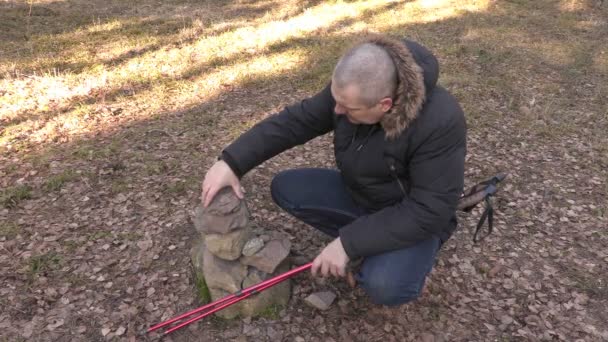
386, 104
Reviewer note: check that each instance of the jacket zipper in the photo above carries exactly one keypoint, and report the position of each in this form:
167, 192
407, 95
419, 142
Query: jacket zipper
394, 174
367, 136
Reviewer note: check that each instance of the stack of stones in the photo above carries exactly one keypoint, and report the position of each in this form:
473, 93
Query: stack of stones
230, 256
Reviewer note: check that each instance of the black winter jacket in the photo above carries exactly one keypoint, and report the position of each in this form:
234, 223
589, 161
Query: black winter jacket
407, 170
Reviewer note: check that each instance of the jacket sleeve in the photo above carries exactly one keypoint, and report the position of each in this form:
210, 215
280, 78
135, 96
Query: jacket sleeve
294, 125
436, 181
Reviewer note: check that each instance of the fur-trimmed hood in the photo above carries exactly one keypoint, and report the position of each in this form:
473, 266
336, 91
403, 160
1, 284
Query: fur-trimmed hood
417, 71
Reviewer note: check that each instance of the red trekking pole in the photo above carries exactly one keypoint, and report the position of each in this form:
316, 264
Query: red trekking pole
222, 303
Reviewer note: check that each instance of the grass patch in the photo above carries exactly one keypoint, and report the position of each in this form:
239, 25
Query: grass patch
111, 149
180, 187
44, 263
119, 185
102, 151
11, 168
155, 168
56, 182
11, 196
76, 279
99, 235
41, 161
19, 339
176, 188
130, 236
595, 287
9, 230
71, 245
600, 212
83, 152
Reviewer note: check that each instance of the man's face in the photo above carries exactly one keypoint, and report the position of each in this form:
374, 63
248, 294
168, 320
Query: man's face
348, 103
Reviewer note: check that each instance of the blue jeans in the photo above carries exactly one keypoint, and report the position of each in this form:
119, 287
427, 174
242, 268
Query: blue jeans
319, 198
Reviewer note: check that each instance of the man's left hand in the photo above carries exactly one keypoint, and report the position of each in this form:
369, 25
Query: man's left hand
332, 260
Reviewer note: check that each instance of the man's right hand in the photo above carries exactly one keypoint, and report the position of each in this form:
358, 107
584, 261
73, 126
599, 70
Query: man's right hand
219, 176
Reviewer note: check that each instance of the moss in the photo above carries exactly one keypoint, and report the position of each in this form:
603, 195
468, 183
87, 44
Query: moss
202, 291
272, 312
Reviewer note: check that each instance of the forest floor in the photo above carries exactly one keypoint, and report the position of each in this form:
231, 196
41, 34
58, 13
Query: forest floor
111, 112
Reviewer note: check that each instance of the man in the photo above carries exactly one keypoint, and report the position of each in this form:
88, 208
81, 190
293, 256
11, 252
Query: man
399, 143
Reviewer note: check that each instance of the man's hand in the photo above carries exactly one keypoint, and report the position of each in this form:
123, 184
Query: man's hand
219, 176
332, 260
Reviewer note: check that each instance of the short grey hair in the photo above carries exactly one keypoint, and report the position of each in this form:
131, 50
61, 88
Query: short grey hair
371, 69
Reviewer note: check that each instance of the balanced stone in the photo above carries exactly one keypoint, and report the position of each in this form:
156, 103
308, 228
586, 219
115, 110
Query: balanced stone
223, 274
229, 258
224, 214
225, 202
228, 246
253, 246
269, 257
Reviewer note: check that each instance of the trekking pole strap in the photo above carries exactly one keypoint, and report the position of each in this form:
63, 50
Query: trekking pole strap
488, 214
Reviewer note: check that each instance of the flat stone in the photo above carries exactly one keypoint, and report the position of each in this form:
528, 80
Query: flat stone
321, 300
222, 274
227, 246
253, 246
269, 257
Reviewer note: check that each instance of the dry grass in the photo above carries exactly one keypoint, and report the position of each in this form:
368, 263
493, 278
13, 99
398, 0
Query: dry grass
64, 72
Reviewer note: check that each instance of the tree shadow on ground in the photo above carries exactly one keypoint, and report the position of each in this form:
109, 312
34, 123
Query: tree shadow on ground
476, 59
197, 69
66, 26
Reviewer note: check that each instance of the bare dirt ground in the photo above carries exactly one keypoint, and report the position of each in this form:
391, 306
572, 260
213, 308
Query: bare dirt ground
111, 113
